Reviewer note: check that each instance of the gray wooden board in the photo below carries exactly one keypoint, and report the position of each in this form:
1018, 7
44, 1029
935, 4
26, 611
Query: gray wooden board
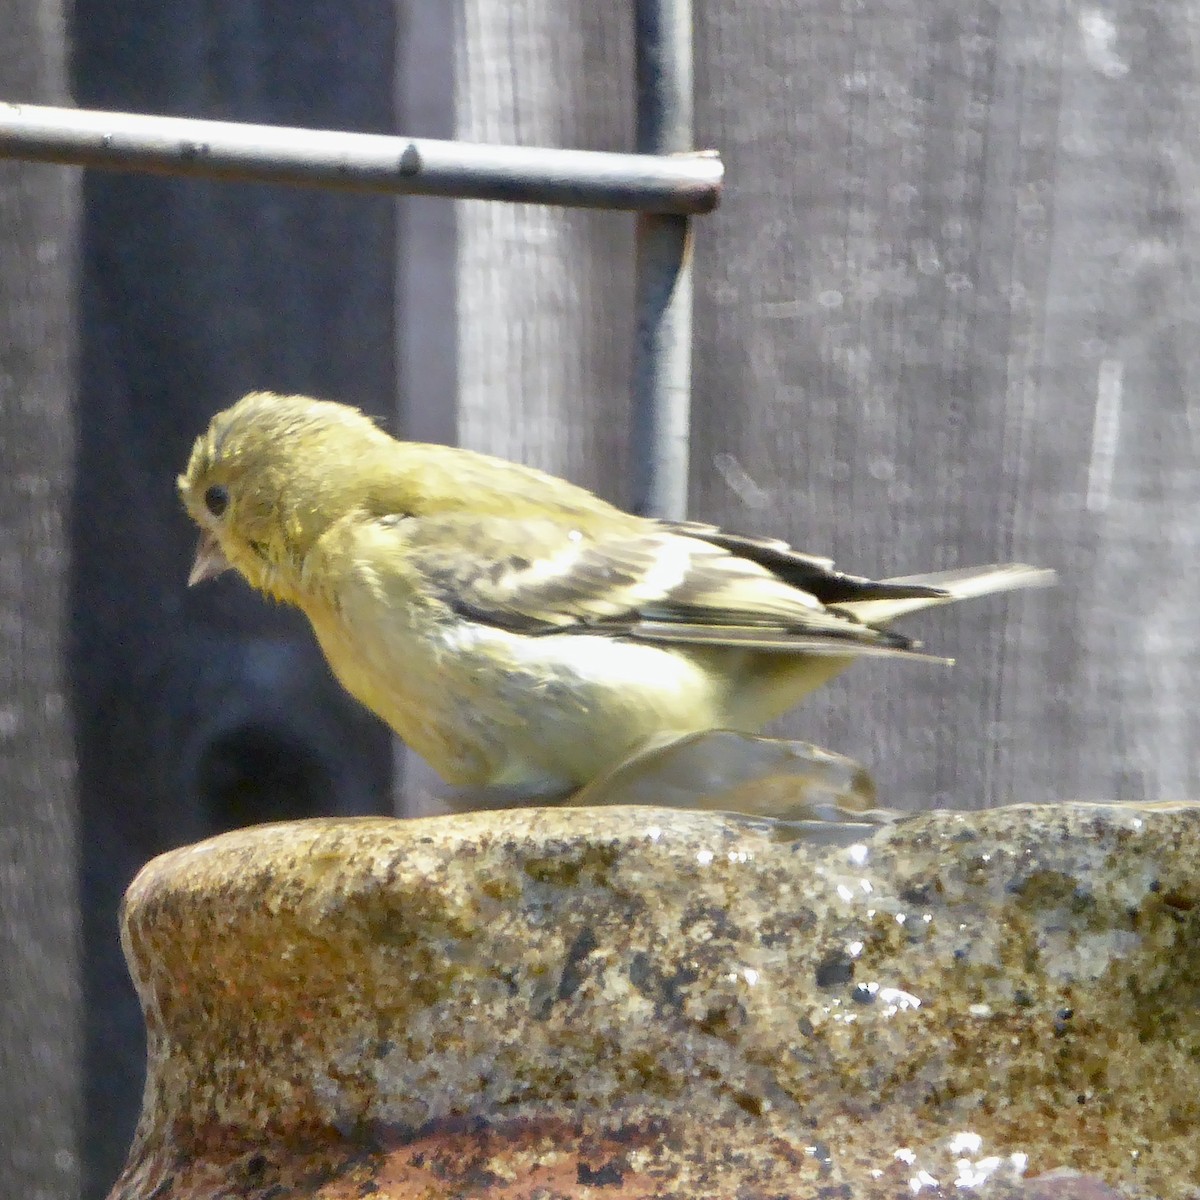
40, 994
544, 296
204, 708
946, 314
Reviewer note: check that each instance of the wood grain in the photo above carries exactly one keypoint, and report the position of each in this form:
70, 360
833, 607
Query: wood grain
41, 1002
945, 315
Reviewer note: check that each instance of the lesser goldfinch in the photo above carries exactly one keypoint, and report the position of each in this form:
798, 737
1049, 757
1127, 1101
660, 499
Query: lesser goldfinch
516, 630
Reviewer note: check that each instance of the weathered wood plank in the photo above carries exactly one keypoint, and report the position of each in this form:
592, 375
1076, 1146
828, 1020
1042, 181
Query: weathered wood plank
944, 316
41, 998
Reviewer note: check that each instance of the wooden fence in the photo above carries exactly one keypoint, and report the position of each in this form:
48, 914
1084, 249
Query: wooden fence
947, 313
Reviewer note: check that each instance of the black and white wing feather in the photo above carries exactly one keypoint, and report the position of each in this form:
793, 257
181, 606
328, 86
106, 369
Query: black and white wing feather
649, 582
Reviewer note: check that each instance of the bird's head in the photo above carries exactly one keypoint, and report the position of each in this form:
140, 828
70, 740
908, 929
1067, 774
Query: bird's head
268, 477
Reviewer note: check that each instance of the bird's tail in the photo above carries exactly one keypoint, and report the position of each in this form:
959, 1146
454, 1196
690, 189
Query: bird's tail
961, 584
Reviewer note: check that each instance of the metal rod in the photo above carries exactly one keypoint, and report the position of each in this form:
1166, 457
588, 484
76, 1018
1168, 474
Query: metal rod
663, 346
360, 161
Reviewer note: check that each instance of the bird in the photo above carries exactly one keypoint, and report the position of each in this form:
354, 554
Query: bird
514, 629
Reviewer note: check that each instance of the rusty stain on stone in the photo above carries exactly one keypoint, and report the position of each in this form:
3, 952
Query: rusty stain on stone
637, 1002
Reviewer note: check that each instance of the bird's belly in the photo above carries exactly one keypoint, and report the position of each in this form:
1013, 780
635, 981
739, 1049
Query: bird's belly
539, 715
562, 709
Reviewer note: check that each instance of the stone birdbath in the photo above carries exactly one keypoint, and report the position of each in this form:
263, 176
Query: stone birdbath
639, 1002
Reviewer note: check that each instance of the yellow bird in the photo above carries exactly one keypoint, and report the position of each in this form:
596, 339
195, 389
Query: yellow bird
515, 630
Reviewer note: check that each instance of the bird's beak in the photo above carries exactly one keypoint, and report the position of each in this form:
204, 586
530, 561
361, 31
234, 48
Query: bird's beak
210, 560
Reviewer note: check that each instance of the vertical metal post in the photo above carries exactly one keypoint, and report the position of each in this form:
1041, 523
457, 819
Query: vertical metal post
663, 346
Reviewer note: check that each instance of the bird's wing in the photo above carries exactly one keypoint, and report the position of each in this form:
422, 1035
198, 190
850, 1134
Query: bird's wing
808, 572
647, 582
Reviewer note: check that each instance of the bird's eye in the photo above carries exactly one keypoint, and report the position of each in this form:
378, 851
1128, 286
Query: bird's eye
216, 499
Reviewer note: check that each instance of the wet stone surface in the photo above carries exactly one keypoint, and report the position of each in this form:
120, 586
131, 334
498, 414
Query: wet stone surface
635, 1002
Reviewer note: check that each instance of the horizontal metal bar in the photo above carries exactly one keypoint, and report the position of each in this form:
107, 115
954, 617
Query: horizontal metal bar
686, 183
